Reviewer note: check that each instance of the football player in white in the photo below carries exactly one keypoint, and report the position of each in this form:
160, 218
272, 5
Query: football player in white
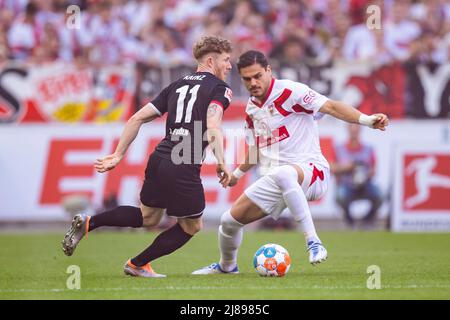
281, 125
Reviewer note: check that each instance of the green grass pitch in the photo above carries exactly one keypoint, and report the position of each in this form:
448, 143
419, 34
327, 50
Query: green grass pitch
413, 266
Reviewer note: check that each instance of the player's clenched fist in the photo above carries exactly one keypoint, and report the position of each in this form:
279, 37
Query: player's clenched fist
224, 175
381, 121
107, 163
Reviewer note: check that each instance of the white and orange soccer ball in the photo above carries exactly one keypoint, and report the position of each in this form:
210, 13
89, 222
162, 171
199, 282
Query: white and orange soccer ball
272, 260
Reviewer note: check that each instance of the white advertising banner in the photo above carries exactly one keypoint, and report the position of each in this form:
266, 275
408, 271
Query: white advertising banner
40, 165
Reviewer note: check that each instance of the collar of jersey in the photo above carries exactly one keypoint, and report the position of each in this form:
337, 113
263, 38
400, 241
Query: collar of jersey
267, 95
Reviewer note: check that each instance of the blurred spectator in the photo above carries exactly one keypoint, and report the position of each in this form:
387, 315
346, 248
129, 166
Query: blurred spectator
290, 53
25, 33
6, 19
169, 50
47, 49
359, 43
362, 43
427, 48
354, 169
336, 40
106, 36
248, 29
183, 14
212, 24
429, 15
158, 31
14, 6
137, 13
296, 22
400, 31
357, 11
4, 51
433, 43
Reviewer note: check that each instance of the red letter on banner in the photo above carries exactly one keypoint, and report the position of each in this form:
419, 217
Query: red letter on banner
126, 169
57, 169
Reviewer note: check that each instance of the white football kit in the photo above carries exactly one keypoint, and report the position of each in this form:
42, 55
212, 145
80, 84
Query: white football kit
284, 127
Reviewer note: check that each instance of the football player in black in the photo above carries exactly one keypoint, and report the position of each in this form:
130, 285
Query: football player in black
194, 105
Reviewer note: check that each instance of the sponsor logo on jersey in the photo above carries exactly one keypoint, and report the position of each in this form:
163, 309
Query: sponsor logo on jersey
309, 97
277, 135
179, 132
228, 94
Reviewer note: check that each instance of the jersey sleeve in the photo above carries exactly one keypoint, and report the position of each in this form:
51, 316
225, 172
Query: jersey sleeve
222, 95
307, 99
161, 101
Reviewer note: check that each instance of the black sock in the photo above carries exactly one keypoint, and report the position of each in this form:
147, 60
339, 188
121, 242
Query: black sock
166, 242
123, 216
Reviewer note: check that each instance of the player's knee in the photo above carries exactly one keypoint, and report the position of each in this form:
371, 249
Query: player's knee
196, 227
191, 226
286, 177
150, 218
229, 224
150, 221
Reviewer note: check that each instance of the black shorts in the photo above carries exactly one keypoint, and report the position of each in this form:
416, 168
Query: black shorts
178, 188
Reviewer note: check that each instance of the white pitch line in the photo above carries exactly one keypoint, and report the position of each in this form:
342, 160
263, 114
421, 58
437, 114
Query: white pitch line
168, 288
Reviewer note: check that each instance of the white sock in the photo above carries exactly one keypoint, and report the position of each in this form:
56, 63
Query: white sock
295, 200
286, 178
230, 238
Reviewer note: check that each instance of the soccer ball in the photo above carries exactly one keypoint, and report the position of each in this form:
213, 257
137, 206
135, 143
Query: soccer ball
272, 260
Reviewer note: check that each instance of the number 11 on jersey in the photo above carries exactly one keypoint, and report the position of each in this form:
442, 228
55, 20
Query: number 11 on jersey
180, 102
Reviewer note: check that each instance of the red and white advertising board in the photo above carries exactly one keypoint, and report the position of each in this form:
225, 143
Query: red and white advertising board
42, 164
421, 199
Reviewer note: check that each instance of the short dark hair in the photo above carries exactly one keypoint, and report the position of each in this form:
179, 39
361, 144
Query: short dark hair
211, 44
252, 57
31, 9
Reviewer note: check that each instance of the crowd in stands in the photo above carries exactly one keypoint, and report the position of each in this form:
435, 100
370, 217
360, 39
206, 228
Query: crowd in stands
161, 32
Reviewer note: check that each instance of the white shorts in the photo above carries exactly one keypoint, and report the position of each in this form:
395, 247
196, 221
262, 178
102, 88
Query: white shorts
266, 194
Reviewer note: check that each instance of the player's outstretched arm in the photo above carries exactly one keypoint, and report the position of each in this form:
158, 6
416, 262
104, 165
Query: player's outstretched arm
251, 159
130, 132
347, 113
215, 141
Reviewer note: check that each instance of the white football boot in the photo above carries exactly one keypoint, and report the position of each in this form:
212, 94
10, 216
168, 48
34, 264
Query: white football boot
214, 269
317, 252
